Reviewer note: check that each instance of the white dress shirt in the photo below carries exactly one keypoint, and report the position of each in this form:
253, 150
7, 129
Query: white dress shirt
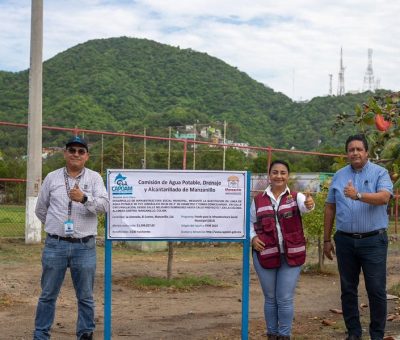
52, 204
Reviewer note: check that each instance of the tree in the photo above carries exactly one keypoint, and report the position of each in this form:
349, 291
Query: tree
379, 120
314, 223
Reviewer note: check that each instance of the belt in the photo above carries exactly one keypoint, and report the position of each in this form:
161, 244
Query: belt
362, 235
71, 239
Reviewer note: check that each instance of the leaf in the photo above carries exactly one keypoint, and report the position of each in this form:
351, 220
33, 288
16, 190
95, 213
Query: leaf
358, 110
327, 322
336, 311
395, 98
397, 184
369, 118
391, 149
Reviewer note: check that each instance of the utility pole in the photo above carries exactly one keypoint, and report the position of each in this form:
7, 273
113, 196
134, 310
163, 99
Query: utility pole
123, 151
224, 148
169, 148
144, 160
194, 146
102, 156
34, 166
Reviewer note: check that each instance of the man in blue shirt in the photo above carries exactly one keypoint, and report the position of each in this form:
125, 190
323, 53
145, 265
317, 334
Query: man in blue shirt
358, 198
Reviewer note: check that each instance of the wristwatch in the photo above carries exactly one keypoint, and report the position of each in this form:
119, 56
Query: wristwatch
358, 196
84, 199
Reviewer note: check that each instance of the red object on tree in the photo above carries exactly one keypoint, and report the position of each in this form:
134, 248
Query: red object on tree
382, 124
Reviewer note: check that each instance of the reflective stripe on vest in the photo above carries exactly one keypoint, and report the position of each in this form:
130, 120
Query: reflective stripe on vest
296, 250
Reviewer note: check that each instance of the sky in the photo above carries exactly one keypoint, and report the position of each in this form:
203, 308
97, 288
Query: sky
291, 46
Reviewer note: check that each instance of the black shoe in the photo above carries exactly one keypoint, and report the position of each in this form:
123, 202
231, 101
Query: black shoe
353, 337
86, 336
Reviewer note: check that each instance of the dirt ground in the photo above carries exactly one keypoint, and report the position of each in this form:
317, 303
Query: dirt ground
202, 313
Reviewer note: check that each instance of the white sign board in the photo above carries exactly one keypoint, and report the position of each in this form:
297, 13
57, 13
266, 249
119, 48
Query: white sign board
173, 204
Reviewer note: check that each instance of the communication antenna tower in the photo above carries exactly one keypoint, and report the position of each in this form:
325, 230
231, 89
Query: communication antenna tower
377, 83
369, 82
340, 91
330, 84
293, 88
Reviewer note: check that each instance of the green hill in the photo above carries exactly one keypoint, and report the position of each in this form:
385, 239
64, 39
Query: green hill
125, 84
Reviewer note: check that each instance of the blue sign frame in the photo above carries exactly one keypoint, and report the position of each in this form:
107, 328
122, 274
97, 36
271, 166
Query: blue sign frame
245, 269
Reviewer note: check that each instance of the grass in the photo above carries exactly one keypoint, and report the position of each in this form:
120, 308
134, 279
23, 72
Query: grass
312, 268
12, 221
16, 251
185, 283
5, 301
395, 289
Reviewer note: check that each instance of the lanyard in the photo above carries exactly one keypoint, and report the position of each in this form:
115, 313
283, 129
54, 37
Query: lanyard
68, 188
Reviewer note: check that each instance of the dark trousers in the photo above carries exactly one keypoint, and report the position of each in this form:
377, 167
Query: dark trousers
368, 254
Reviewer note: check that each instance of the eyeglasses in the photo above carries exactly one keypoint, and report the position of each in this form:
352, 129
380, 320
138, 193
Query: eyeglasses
73, 151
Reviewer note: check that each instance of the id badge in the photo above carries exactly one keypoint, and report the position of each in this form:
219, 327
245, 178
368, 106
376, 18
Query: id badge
69, 228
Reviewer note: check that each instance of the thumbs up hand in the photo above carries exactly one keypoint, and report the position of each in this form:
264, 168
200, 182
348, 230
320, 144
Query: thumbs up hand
349, 183
309, 202
350, 191
76, 193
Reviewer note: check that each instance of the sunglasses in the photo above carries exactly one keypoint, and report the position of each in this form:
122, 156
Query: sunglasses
73, 151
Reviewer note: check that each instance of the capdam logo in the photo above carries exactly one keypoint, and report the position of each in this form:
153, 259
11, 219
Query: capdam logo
120, 180
121, 186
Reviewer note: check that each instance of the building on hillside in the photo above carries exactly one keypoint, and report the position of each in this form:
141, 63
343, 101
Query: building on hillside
210, 132
239, 146
50, 151
47, 152
185, 135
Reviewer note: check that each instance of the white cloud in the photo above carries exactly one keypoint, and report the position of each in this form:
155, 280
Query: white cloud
279, 43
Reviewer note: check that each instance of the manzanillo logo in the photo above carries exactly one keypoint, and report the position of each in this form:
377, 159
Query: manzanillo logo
233, 186
233, 182
121, 186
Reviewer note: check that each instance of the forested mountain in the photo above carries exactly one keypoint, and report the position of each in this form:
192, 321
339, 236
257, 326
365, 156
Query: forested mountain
125, 84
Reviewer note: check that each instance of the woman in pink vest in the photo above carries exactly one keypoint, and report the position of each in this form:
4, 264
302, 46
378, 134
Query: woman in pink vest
279, 247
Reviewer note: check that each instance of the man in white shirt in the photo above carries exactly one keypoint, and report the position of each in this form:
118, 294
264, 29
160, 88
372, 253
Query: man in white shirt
68, 204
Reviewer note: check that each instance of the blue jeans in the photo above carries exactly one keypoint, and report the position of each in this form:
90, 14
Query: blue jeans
368, 254
278, 286
57, 256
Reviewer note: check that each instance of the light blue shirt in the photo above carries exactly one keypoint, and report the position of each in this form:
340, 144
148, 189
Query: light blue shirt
354, 216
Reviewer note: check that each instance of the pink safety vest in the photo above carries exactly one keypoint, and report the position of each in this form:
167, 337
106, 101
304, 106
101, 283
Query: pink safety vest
294, 242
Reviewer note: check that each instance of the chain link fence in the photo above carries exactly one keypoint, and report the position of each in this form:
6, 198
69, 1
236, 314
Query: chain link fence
111, 150
12, 201
12, 209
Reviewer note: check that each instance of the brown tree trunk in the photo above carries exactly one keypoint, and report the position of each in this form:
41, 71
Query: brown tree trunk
170, 259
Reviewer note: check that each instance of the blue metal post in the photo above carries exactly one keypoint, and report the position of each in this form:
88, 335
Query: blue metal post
246, 266
107, 278
107, 287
